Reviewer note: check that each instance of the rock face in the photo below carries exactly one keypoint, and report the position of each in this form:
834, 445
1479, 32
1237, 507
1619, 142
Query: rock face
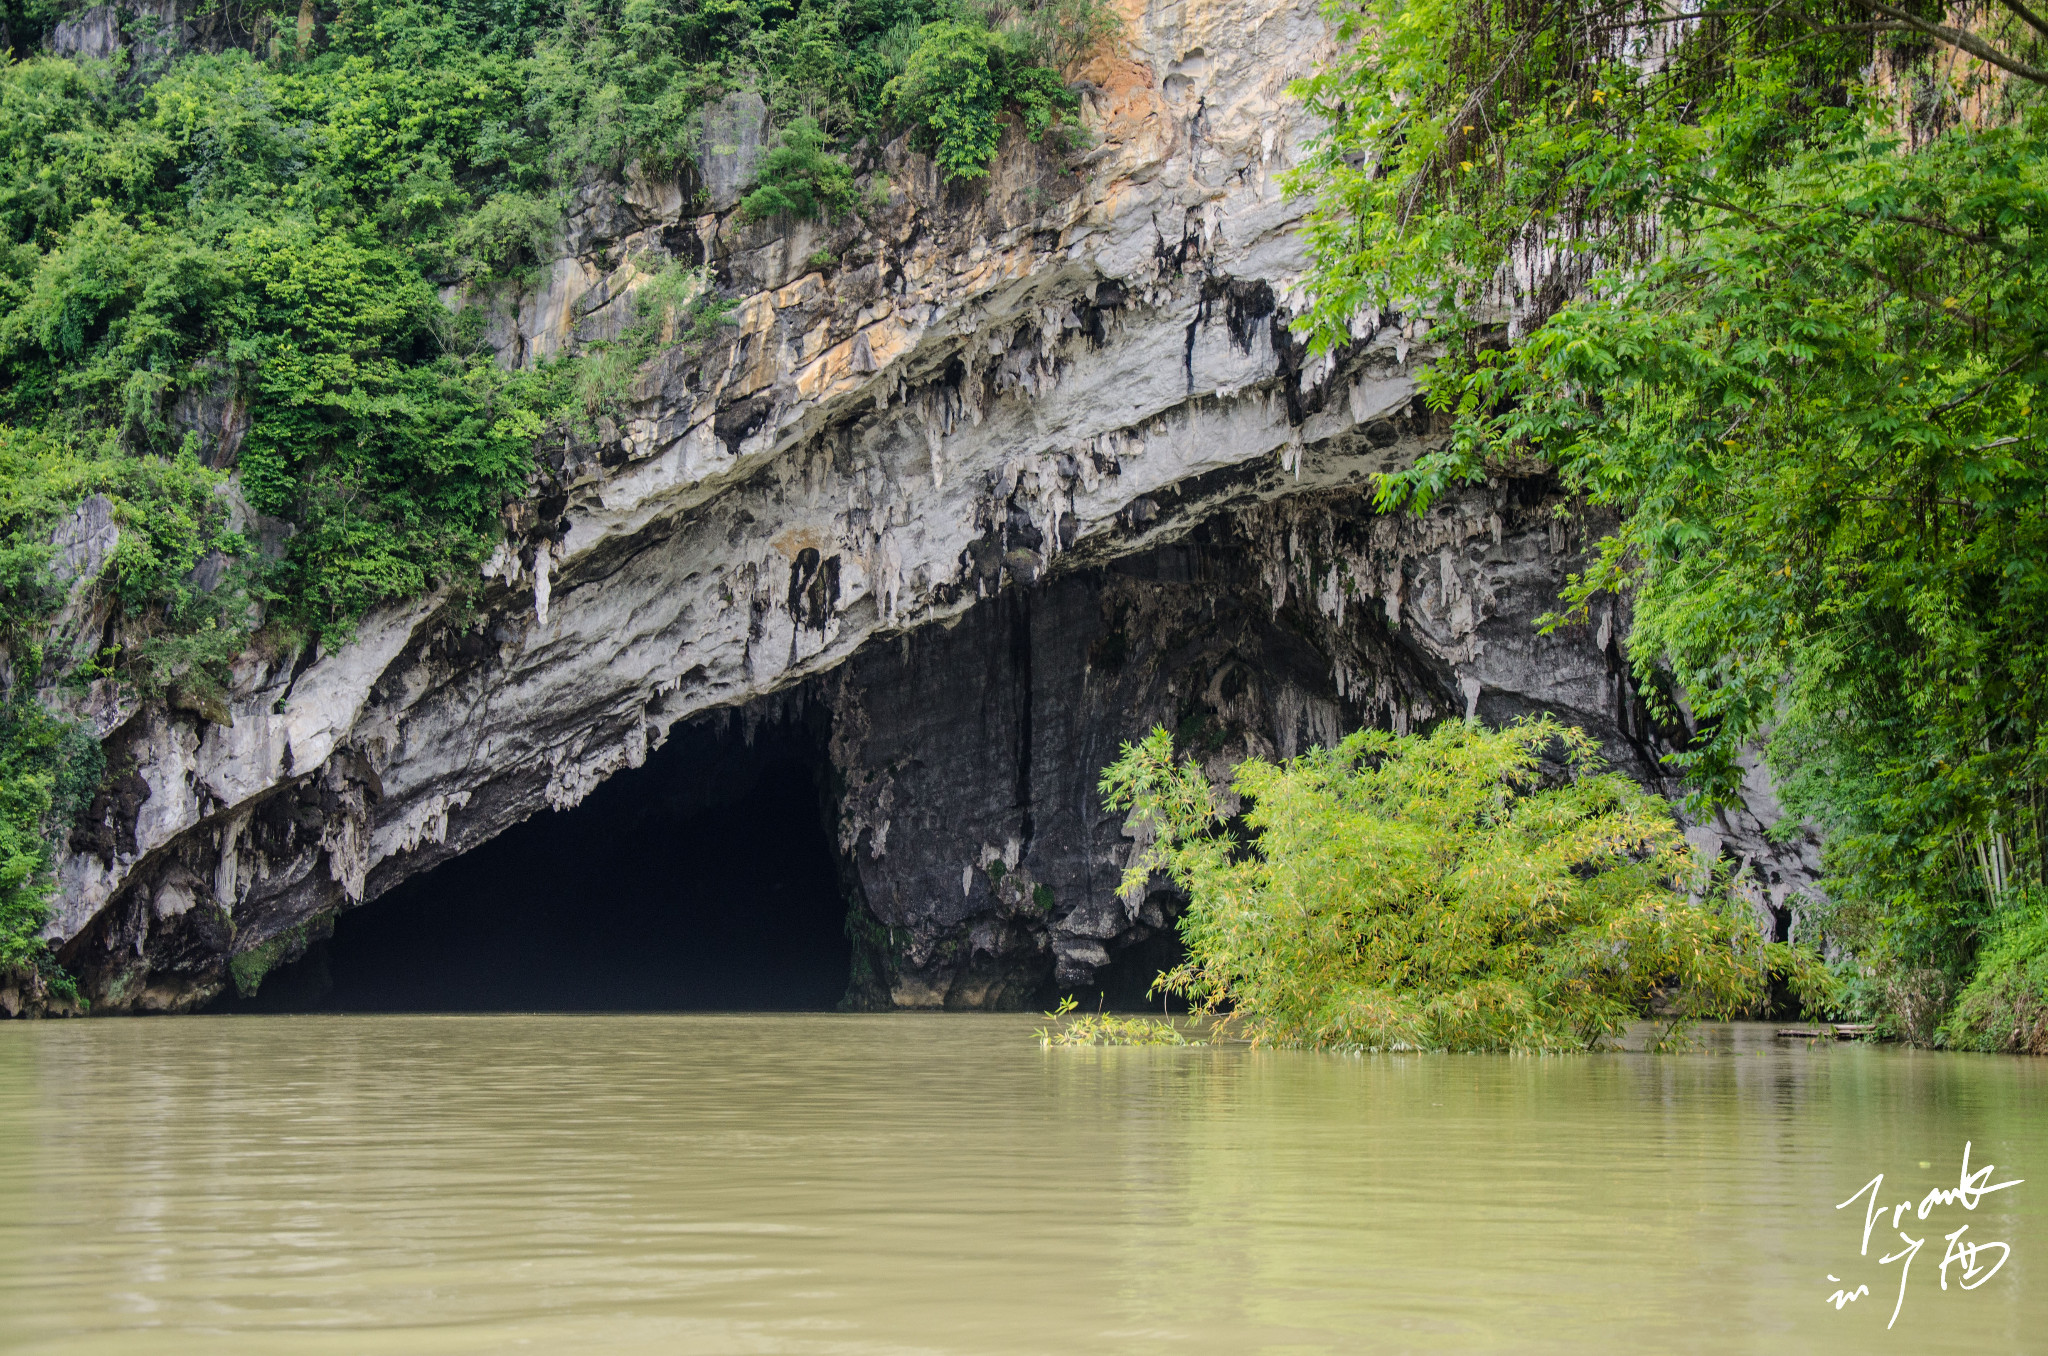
154, 31
998, 477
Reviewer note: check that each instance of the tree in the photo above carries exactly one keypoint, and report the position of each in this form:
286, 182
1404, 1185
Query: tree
799, 177
1471, 889
1768, 280
958, 83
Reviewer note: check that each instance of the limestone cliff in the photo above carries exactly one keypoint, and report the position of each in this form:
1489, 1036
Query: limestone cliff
997, 476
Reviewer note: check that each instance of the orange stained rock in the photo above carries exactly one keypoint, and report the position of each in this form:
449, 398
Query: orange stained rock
1129, 107
791, 542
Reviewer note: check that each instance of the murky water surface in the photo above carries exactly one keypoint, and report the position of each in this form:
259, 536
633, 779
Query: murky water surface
940, 1184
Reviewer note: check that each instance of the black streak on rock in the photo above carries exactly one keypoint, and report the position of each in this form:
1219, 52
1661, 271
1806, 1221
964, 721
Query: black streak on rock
813, 588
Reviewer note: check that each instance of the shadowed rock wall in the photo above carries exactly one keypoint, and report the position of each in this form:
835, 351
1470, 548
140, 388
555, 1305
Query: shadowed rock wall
985, 866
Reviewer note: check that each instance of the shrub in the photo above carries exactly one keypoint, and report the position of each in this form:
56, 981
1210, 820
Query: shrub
798, 177
2005, 1006
956, 86
510, 228
1469, 890
394, 466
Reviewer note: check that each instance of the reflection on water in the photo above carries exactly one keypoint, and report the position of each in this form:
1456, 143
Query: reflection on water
937, 1183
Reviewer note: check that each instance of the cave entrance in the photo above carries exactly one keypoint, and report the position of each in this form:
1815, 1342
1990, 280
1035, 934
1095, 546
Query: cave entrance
703, 880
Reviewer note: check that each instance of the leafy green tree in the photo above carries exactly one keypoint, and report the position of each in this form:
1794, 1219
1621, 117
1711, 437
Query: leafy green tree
394, 468
1768, 281
798, 177
1439, 892
960, 81
26, 749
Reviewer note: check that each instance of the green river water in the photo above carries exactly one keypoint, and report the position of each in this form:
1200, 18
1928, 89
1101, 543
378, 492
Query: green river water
939, 1183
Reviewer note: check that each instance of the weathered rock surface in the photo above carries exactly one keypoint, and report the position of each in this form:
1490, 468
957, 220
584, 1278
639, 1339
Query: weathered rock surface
153, 31
999, 476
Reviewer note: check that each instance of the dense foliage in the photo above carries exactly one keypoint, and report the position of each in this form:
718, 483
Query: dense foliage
1440, 892
956, 85
260, 245
2005, 1006
1770, 280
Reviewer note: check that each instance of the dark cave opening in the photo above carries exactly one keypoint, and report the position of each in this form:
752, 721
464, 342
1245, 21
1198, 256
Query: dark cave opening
703, 880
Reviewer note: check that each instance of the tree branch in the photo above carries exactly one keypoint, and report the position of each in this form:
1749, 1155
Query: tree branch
1928, 223
1830, 31
1975, 391
1962, 41
1658, 20
2034, 21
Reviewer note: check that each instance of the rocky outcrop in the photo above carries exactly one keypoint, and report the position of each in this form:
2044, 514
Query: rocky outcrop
151, 32
998, 475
